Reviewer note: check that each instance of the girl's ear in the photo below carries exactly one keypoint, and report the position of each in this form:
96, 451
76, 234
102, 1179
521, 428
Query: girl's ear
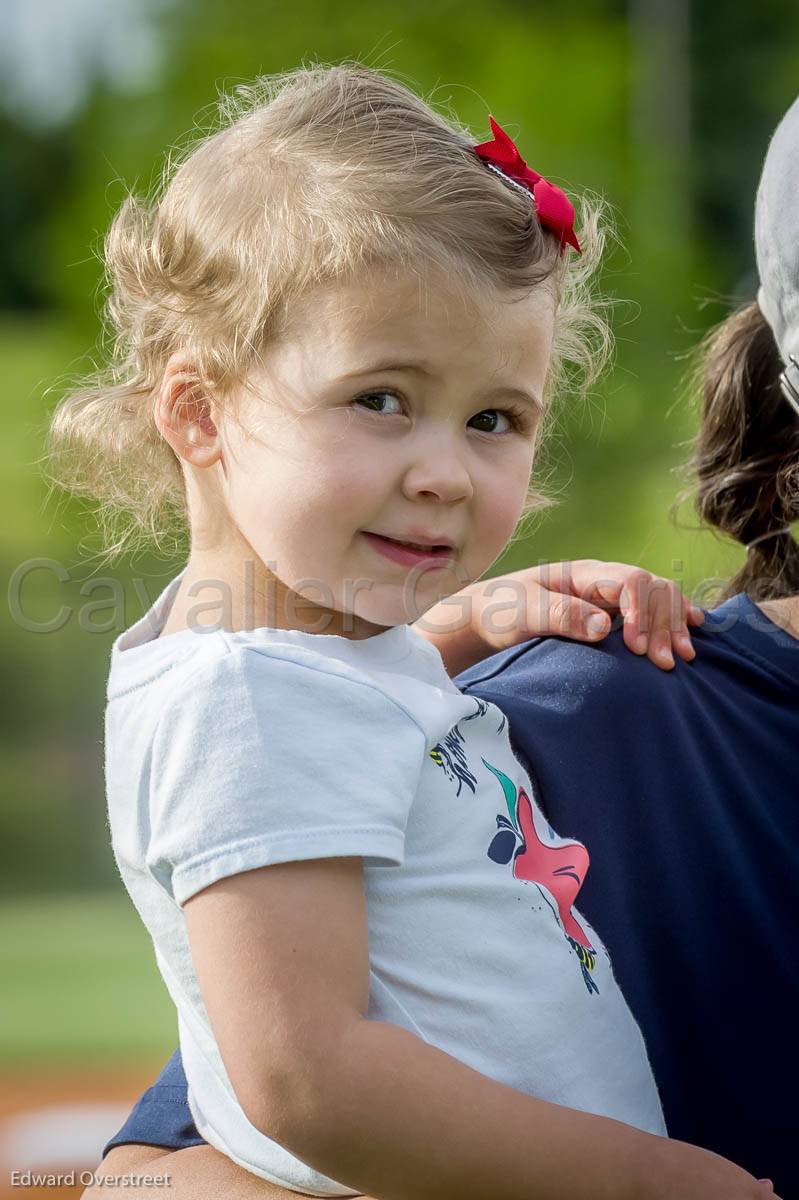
183, 414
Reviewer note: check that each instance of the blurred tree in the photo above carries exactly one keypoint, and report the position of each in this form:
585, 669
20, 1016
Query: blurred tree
32, 164
746, 75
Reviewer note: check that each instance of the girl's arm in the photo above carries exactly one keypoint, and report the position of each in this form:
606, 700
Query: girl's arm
568, 599
281, 954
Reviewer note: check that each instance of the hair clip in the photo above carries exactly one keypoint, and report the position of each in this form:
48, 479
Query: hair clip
551, 204
789, 383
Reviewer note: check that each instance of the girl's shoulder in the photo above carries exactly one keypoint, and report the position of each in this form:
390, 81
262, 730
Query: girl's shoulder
248, 750
397, 673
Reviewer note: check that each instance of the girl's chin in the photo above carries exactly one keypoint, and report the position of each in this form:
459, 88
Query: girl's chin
400, 610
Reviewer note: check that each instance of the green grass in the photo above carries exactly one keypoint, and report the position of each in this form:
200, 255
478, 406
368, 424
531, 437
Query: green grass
79, 983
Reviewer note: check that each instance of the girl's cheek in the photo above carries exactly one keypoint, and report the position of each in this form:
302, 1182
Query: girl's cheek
505, 492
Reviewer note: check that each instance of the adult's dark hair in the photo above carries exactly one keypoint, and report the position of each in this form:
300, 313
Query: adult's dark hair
746, 455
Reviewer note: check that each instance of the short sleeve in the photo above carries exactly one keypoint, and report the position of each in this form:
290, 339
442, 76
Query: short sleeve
262, 759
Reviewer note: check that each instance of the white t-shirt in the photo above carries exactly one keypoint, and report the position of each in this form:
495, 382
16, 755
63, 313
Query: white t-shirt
228, 751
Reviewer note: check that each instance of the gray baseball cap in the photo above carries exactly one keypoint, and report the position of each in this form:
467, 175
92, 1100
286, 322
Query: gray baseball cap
777, 235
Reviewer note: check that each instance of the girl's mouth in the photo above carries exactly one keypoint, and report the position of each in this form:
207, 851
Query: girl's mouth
409, 555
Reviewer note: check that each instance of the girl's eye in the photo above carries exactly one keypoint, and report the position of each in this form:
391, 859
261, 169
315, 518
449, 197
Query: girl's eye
513, 418
368, 396
493, 420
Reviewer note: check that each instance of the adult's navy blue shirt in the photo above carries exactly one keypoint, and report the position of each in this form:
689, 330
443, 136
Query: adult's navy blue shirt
684, 786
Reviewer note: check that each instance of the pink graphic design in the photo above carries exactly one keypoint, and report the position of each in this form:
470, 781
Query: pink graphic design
560, 869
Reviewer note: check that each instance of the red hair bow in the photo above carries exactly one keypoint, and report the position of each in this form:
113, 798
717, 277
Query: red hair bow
553, 208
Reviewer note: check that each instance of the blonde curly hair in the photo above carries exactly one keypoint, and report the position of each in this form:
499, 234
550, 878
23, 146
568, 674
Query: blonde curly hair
310, 176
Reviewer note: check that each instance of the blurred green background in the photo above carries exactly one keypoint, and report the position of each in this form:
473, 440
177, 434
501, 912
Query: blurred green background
664, 109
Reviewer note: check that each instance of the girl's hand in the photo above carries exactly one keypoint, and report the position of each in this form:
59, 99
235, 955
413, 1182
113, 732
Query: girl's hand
568, 599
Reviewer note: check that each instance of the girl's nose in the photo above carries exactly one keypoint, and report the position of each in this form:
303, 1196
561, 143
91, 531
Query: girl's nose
438, 470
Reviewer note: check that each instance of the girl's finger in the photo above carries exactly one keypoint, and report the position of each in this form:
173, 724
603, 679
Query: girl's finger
661, 620
695, 615
681, 643
682, 646
570, 617
597, 624
634, 607
692, 614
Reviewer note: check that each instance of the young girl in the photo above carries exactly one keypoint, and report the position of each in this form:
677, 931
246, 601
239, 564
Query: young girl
366, 924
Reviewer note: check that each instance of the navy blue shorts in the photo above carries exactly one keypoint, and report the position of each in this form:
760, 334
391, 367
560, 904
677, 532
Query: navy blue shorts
161, 1116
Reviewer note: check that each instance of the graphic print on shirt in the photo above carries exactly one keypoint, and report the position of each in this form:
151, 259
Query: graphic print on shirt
560, 870
557, 871
450, 755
